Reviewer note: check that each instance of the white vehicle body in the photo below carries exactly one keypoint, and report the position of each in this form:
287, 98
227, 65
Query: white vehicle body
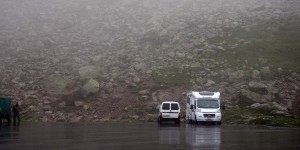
203, 107
169, 111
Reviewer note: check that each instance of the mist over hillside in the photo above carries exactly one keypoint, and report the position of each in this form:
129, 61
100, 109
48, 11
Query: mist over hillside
100, 60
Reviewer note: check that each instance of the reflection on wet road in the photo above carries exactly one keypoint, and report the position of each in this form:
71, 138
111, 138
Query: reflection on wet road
146, 136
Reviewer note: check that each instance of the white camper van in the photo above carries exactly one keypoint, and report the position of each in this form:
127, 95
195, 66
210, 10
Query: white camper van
203, 107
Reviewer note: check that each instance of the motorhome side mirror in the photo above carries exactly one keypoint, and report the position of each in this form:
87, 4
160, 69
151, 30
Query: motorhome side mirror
192, 106
223, 106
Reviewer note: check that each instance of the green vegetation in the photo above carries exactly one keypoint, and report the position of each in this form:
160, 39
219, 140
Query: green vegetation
172, 76
276, 41
287, 121
271, 47
256, 117
238, 115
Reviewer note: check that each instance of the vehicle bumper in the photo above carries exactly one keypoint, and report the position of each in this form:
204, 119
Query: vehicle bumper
209, 117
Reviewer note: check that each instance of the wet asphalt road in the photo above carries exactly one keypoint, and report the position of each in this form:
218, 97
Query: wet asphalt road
139, 136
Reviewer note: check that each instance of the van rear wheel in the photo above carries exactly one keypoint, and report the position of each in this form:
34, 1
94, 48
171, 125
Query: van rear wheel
159, 120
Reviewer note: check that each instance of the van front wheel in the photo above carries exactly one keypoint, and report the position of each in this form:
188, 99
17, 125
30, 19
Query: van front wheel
196, 122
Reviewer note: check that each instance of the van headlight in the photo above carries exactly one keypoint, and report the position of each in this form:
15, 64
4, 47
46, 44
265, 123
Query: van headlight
198, 110
218, 111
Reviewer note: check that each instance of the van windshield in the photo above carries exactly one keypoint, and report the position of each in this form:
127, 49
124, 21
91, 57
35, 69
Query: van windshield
207, 103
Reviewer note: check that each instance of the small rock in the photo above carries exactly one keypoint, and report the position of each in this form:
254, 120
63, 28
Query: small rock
154, 97
48, 112
265, 71
144, 97
45, 119
76, 119
139, 67
277, 112
221, 48
255, 74
31, 108
144, 92
46, 107
62, 104
209, 82
135, 117
180, 54
136, 79
219, 22
86, 107
171, 54
78, 103
260, 7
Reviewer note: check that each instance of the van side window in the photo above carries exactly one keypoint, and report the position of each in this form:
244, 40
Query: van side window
188, 100
166, 106
174, 106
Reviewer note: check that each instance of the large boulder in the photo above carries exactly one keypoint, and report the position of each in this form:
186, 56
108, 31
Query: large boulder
265, 107
296, 105
270, 107
248, 97
59, 84
266, 72
139, 66
91, 86
258, 87
89, 72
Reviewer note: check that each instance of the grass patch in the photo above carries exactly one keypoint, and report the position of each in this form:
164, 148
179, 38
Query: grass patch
256, 117
238, 115
287, 121
172, 76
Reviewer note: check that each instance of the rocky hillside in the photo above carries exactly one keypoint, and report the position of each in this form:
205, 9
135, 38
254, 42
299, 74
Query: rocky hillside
101, 60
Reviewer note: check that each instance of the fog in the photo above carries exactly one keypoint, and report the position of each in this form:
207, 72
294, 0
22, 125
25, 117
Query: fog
123, 51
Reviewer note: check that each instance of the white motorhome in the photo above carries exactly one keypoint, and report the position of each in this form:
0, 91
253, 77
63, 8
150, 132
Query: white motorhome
203, 106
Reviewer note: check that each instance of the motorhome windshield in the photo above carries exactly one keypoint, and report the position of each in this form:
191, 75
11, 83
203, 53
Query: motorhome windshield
207, 103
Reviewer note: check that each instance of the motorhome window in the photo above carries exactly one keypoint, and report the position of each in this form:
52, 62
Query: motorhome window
166, 106
174, 106
207, 103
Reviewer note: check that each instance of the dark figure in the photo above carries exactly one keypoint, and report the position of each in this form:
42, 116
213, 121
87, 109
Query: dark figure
16, 114
0, 116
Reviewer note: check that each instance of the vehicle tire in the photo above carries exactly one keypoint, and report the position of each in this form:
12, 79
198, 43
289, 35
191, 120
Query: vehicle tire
159, 120
219, 123
177, 121
196, 122
8, 120
190, 121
